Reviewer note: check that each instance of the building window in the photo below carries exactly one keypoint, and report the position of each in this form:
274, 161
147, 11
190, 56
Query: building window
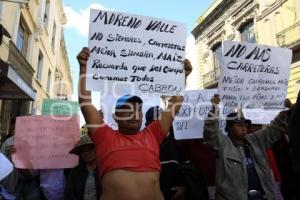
53, 36
217, 49
46, 13
39, 72
22, 37
49, 81
247, 32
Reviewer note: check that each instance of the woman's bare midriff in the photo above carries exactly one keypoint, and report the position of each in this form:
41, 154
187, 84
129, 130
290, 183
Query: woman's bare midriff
129, 185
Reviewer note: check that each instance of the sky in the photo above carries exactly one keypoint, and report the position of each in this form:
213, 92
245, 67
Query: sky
77, 12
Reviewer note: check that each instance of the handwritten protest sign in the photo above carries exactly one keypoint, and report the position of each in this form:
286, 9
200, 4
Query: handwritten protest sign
44, 143
139, 52
59, 107
253, 76
108, 108
189, 122
5, 167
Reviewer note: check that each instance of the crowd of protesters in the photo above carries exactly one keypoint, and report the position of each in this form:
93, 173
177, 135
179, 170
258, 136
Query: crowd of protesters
251, 162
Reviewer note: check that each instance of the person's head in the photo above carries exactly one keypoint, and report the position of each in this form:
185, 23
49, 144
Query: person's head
252, 128
236, 126
85, 149
128, 114
152, 114
101, 113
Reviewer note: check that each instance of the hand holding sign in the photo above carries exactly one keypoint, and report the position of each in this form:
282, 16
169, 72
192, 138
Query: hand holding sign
288, 103
83, 57
188, 68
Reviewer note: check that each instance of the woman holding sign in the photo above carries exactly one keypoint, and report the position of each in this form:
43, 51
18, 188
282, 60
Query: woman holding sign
128, 158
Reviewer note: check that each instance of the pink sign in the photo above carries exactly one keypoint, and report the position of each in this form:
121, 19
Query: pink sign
44, 142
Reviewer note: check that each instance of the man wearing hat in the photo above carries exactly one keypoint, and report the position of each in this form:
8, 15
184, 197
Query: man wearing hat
128, 158
83, 181
242, 171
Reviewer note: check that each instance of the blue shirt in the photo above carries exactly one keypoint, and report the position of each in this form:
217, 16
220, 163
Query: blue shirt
52, 182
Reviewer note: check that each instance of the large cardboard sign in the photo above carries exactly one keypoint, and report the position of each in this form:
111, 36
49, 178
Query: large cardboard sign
139, 52
253, 76
42, 142
189, 122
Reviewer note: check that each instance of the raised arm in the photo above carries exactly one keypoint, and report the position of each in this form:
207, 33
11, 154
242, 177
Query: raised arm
92, 118
211, 133
278, 127
167, 116
271, 134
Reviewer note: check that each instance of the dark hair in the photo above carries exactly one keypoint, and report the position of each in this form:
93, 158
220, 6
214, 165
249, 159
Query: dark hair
13, 121
152, 114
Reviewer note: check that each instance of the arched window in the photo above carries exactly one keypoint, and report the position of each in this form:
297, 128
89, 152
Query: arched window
247, 32
217, 54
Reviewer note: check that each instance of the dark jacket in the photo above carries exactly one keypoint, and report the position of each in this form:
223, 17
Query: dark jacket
175, 171
294, 151
196, 186
170, 158
76, 183
294, 136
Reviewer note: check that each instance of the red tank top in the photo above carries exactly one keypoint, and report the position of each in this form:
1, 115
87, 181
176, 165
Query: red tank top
138, 152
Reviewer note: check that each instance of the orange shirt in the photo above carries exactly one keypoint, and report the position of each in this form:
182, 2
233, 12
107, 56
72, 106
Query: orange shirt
138, 152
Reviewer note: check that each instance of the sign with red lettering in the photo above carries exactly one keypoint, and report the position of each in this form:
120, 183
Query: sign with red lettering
44, 142
141, 53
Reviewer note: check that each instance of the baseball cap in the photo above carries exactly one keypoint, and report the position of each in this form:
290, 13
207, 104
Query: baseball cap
84, 140
123, 100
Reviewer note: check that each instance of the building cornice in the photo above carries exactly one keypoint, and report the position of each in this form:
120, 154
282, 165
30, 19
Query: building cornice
25, 10
211, 18
246, 11
271, 9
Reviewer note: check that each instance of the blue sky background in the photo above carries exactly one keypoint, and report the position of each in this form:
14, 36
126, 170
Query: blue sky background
77, 12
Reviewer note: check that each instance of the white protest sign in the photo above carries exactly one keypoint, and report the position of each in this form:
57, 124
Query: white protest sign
108, 108
189, 122
253, 76
142, 53
5, 167
259, 116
